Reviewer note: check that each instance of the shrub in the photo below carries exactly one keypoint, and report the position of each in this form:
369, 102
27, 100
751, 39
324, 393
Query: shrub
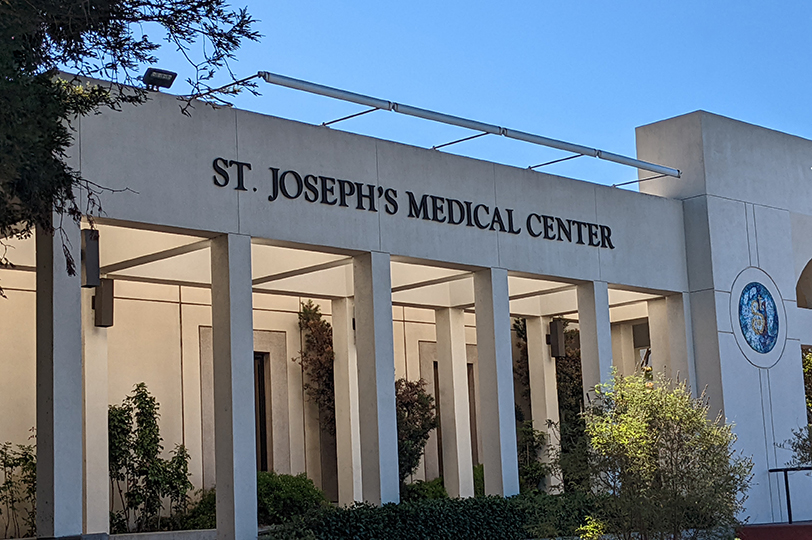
664, 468
420, 490
18, 489
483, 518
415, 407
530, 447
552, 516
807, 369
317, 359
280, 497
138, 475
416, 418
479, 480
202, 514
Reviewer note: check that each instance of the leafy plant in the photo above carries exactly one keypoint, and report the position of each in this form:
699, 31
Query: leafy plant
483, 518
416, 418
592, 529
572, 453
415, 407
139, 476
18, 490
807, 368
479, 480
530, 442
280, 497
421, 490
665, 469
317, 359
202, 513
531, 447
95, 39
801, 446
521, 365
801, 441
554, 516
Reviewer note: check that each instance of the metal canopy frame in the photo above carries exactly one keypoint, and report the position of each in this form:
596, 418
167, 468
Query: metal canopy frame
482, 127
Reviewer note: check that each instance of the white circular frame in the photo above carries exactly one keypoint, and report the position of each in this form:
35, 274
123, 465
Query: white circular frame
745, 277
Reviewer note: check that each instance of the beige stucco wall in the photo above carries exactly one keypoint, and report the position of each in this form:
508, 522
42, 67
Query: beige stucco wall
156, 340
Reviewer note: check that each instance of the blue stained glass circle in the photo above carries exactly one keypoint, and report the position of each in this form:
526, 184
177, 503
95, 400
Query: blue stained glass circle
758, 317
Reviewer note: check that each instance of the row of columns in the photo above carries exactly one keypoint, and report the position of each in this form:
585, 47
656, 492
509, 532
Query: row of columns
71, 416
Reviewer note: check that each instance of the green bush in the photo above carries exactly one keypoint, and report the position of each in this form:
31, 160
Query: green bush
529, 515
416, 417
18, 490
662, 466
280, 497
552, 516
203, 513
140, 478
420, 490
479, 480
483, 518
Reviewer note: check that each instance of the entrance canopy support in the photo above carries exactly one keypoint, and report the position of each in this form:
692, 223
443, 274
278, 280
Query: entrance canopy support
382, 104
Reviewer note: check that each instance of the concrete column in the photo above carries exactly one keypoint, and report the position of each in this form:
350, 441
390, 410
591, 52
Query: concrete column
543, 382
348, 434
495, 365
96, 486
59, 385
623, 357
458, 472
672, 347
595, 334
658, 330
233, 347
376, 377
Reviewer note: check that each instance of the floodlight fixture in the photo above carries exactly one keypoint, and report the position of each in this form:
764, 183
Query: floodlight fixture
158, 78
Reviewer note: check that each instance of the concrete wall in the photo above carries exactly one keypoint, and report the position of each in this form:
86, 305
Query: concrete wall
178, 180
157, 339
747, 203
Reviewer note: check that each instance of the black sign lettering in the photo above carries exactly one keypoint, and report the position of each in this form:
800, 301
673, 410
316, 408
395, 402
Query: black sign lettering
428, 207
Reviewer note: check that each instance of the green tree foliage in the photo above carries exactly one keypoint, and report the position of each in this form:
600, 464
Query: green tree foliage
531, 443
18, 490
422, 490
317, 359
572, 458
485, 518
521, 365
140, 478
415, 407
530, 448
801, 441
94, 38
807, 367
416, 418
665, 468
280, 497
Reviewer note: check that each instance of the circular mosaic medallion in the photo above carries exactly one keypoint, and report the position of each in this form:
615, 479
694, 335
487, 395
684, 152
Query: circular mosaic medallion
758, 317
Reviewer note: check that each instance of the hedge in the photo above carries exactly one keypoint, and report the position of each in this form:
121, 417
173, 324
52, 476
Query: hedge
515, 518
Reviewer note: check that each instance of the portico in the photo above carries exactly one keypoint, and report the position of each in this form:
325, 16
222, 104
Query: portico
420, 260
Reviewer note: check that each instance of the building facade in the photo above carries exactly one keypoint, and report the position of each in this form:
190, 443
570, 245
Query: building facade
220, 224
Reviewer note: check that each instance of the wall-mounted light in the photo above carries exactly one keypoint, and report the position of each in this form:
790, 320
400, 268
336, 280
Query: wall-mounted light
103, 304
556, 339
90, 258
156, 78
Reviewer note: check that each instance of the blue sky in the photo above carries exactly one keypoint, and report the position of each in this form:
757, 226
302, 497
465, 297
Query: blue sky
584, 71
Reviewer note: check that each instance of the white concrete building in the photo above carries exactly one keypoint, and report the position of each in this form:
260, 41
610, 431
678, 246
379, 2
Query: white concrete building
227, 220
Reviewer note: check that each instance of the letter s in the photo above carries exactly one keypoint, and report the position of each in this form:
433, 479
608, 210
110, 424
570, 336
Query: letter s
220, 170
391, 201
